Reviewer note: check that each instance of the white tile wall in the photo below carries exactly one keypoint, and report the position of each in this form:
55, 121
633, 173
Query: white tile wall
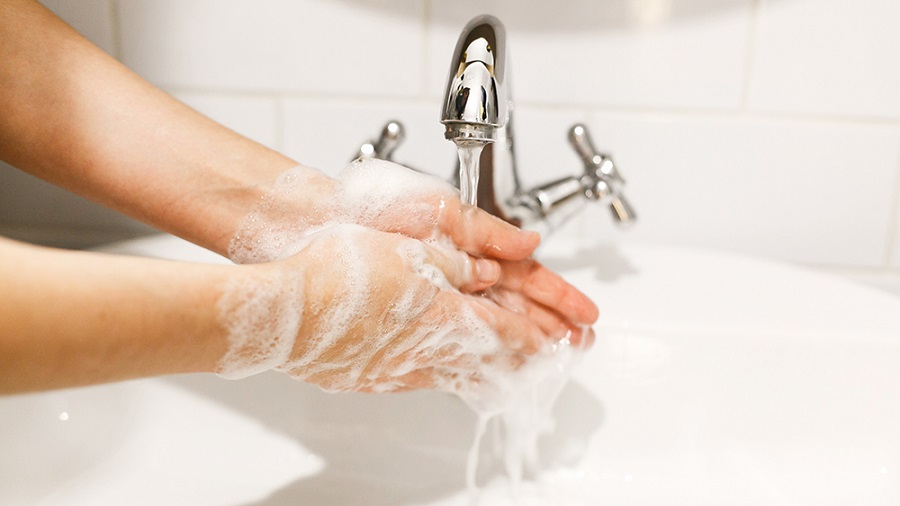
647, 53
327, 134
808, 191
322, 46
829, 57
255, 117
768, 127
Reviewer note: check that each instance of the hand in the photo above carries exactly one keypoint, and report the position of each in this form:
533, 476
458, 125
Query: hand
558, 308
361, 310
380, 195
388, 197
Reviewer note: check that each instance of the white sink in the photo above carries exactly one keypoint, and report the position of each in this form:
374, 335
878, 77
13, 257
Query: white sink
715, 380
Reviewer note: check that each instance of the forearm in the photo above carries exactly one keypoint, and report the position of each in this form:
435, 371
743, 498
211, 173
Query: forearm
76, 117
76, 318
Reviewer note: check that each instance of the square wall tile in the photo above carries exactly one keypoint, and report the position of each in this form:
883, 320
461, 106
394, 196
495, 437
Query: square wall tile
812, 192
255, 117
647, 53
327, 133
827, 57
91, 18
365, 47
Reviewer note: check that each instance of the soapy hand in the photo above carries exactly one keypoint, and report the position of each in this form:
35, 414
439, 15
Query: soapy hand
377, 194
391, 198
354, 309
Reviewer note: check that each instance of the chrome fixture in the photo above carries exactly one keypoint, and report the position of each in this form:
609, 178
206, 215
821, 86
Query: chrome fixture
477, 108
391, 136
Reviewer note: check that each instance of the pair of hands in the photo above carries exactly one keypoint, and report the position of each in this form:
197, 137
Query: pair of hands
405, 286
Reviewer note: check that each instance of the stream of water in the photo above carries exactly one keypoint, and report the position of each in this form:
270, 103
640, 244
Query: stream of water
469, 169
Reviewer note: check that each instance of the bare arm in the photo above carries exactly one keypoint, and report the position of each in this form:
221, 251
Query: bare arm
76, 117
75, 318
72, 318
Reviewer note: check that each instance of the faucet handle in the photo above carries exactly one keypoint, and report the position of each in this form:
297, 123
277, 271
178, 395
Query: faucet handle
391, 136
601, 179
580, 139
622, 210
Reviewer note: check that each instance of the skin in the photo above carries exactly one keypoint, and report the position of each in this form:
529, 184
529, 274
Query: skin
72, 318
74, 116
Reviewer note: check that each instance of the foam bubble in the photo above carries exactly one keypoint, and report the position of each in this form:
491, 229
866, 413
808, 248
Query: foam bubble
375, 193
262, 318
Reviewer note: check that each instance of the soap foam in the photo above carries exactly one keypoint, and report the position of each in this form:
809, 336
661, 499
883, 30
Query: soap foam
460, 352
373, 193
262, 320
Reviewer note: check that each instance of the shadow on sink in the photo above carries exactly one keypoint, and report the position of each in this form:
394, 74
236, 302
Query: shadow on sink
407, 448
605, 260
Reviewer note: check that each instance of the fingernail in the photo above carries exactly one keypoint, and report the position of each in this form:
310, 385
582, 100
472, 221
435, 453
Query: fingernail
488, 271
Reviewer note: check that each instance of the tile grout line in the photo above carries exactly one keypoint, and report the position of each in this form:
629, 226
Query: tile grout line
889, 122
688, 112
588, 108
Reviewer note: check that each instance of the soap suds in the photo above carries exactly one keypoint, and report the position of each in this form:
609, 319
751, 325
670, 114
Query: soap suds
428, 329
262, 320
373, 193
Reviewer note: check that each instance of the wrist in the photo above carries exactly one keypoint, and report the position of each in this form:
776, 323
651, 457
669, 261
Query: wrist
280, 214
260, 310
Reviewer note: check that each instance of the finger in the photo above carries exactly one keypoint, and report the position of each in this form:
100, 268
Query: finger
515, 331
482, 234
555, 327
464, 272
546, 287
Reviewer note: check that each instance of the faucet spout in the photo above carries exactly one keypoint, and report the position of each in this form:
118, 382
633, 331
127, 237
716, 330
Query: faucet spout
477, 111
476, 101
477, 115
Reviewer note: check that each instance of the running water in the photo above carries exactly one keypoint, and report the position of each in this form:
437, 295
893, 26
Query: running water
523, 416
472, 460
469, 169
536, 385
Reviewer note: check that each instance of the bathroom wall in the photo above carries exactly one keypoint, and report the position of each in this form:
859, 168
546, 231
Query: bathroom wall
764, 127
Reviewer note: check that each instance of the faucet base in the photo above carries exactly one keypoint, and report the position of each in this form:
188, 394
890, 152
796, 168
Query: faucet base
467, 133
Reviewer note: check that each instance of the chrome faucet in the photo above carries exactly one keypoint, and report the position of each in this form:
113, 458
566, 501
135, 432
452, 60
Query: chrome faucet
476, 105
477, 108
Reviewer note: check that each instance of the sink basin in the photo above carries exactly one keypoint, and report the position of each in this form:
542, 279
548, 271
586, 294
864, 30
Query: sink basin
716, 379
